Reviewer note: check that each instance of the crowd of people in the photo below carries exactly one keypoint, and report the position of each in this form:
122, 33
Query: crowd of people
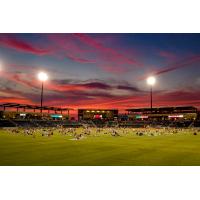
84, 132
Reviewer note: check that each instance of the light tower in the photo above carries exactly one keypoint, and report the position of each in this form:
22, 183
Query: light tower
151, 81
1, 68
42, 77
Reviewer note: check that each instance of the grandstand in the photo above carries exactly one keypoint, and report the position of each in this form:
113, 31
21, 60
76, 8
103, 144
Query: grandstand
181, 113
181, 116
26, 108
23, 115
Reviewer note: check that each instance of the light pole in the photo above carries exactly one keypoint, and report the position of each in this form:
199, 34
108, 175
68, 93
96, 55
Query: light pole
151, 81
0, 71
42, 77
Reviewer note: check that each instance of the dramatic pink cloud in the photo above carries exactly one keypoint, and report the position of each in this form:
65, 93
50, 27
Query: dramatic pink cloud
185, 63
12, 99
110, 53
172, 67
20, 79
8, 40
68, 47
99, 70
80, 48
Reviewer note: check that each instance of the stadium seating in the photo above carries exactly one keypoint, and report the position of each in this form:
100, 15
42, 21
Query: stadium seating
38, 123
96, 123
6, 123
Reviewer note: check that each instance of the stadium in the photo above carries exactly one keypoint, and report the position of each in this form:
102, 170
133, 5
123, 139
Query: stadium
143, 136
31, 116
70, 121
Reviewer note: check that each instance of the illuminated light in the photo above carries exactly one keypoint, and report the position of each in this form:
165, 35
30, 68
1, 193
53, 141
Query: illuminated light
175, 116
98, 111
92, 110
87, 111
56, 116
151, 80
141, 117
138, 113
97, 116
42, 76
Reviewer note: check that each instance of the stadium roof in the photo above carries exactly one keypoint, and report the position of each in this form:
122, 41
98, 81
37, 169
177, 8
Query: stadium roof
163, 108
95, 109
26, 106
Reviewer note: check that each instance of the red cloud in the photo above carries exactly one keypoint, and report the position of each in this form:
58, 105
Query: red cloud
15, 100
109, 52
114, 69
184, 63
19, 79
81, 95
179, 96
82, 100
72, 50
80, 48
80, 60
77, 47
168, 55
54, 86
178, 65
9, 40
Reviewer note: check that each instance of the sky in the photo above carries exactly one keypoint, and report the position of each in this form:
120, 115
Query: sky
100, 70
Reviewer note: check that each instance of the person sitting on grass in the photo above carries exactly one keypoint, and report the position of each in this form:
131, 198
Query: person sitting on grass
34, 134
115, 133
98, 130
141, 134
50, 133
26, 132
44, 132
78, 136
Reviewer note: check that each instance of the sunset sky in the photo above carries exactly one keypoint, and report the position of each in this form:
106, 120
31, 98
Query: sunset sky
100, 70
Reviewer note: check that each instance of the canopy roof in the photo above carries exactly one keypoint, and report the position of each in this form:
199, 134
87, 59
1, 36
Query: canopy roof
26, 106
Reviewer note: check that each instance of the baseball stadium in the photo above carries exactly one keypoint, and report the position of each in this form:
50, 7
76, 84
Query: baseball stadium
82, 108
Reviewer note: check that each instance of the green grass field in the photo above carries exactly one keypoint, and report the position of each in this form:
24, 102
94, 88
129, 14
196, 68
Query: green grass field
104, 150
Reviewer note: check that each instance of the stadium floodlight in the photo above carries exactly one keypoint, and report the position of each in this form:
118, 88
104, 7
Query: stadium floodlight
1, 66
42, 77
151, 81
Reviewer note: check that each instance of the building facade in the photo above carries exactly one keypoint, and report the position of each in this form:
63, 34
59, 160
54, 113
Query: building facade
163, 113
97, 114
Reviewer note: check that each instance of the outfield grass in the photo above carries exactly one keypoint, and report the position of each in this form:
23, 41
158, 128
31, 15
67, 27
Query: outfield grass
104, 150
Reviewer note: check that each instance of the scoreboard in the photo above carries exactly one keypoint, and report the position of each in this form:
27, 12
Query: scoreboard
97, 114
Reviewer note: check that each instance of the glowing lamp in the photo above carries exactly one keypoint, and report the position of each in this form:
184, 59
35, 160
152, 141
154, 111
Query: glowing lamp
151, 80
42, 76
